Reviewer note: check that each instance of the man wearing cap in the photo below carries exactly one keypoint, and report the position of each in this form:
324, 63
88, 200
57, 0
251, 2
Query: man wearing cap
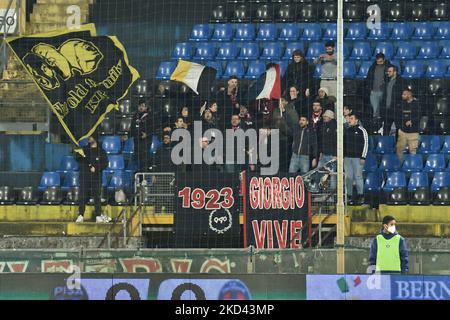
388, 251
327, 144
92, 164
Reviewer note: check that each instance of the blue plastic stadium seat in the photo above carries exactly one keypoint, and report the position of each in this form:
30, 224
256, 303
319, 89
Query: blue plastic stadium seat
291, 47
182, 50
401, 31
384, 47
370, 165
443, 30
205, 51
272, 51
49, 179
440, 180
165, 70
371, 146
356, 31
222, 32
315, 49
423, 31
227, 51
429, 144
445, 53
436, 69
249, 51
312, 32
390, 162
216, 65
373, 181
395, 180
364, 69
283, 66
71, 180
131, 166
385, 144
330, 32
267, 32
446, 146
128, 146
289, 32
234, 68
200, 32
428, 50
361, 51
347, 50
119, 180
115, 162
412, 163
68, 163
435, 162
156, 144
418, 180
379, 34
255, 69
349, 69
244, 32
405, 50
317, 71
111, 144
413, 69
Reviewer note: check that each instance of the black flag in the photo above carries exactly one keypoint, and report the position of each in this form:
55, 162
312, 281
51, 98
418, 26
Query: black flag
82, 76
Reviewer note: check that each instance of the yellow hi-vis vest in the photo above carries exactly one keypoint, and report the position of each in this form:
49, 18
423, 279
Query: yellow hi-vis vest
388, 253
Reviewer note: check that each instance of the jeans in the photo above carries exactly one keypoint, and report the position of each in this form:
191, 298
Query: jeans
331, 178
375, 100
299, 162
353, 173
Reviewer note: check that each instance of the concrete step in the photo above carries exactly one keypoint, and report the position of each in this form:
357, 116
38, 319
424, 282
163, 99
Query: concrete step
38, 18
65, 2
53, 213
407, 213
369, 229
58, 229
67, 243
58, 9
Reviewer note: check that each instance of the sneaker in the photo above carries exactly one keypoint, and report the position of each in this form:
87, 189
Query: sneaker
100, 219
79, 219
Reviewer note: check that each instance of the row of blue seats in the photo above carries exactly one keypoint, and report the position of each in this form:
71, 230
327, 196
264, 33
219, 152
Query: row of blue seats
374, 181
427, 144
352, 70
390, 162
317, 31
279, 51
111, 179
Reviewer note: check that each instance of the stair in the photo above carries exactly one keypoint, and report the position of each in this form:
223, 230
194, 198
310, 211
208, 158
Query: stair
413, 221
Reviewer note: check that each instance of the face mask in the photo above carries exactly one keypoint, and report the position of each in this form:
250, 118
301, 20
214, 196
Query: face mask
391, 229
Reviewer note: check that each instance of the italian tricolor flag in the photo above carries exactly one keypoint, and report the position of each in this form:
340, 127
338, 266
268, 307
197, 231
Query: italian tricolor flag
272, 84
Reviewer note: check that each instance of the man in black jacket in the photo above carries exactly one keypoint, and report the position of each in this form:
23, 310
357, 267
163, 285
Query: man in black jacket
356, 142
304, 144
91, 167
140, 131
328, 144
375, 81
391, 98
407, 120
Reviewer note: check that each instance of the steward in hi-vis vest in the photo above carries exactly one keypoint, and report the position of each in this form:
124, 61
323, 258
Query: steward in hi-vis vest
388, 251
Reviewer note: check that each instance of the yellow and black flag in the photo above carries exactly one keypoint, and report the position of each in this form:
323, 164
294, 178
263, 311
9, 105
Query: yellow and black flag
81, 75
